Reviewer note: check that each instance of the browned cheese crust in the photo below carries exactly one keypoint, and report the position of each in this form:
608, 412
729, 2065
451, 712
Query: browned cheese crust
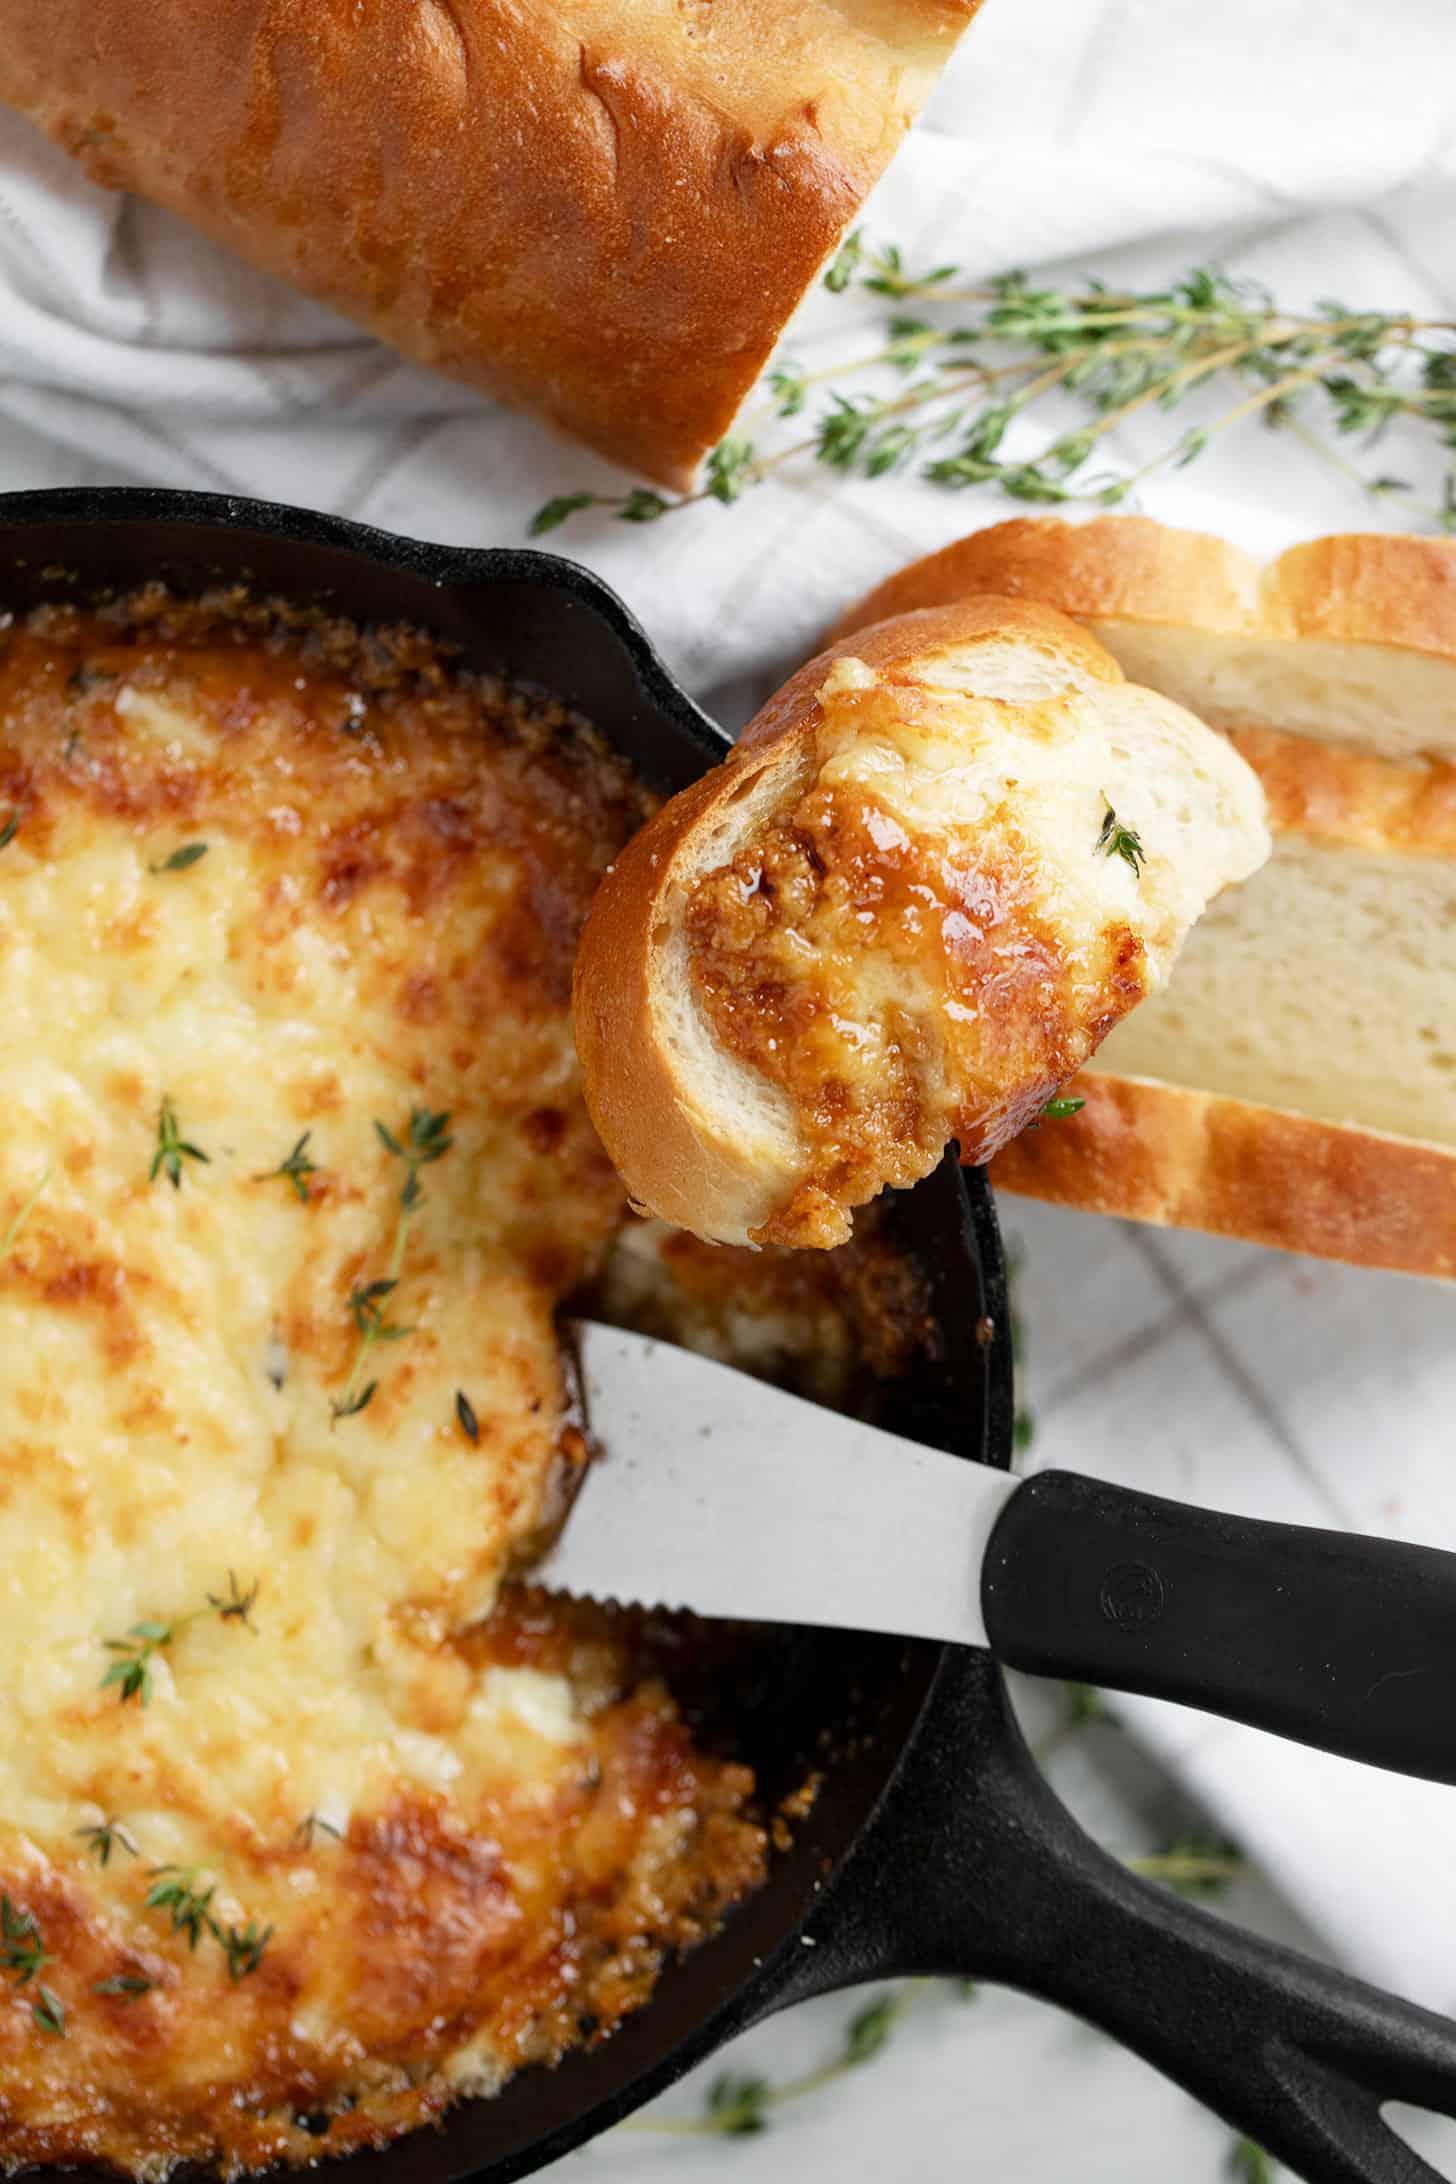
601, 213
779, 941
836, 858
412, 850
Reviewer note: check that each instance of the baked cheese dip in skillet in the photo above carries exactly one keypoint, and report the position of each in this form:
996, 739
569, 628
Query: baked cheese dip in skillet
310, 1819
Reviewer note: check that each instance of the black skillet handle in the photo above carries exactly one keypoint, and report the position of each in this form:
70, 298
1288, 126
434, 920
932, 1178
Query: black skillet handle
1333, 1639
973, 1867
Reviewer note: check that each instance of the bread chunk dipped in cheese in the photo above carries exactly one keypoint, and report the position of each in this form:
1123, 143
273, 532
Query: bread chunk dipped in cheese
942, 863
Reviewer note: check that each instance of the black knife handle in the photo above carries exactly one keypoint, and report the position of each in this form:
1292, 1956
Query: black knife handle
1331, 1638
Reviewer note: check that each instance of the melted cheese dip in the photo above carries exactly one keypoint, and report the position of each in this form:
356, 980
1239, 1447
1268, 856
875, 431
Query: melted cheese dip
275, 899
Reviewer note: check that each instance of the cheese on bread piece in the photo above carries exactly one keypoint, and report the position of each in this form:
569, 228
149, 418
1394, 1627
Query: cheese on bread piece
1296, 1083
941, 864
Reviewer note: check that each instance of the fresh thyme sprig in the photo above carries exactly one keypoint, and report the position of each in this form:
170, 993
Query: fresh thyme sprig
1116, 840
172, 1149
738, 2106
297, 1168
425, 1139
244, 1947
22, 1946
104, 1835
1192, 1865
176, 1892
128, 1986
984, 371
132, 1670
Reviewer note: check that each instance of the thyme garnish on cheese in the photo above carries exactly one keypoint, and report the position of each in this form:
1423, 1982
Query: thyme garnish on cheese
22, 1946
244, 1947
312, 1824
176, 1891
23, 1953
465, 1412
10, 829
296, 1169
183, 859
128, 1986
425, 1139
103, 1837
1116, 840
132, 1670
1018, 387
172, 1149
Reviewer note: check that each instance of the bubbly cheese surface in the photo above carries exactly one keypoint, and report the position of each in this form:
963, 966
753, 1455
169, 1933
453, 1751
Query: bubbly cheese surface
293, 1174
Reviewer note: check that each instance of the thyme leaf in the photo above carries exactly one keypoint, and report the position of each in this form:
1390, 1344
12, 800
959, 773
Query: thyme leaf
235, 1606
130, 1986
425, 1139
176, 1892
10, 829
244, 1947
310, 1825
132, 1670
22, 1946
183, 859
1059, 1109
297, 1168
49, 2013
1116, 840
104, 1836
172, 1149
465, 1412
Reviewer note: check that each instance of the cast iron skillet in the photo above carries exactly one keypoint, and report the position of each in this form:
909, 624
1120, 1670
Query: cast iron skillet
934, 1845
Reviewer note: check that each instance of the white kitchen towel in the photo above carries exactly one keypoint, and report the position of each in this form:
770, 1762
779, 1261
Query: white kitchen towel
1312, 145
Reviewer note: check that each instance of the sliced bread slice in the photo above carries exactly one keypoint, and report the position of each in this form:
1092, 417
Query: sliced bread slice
1296, 1082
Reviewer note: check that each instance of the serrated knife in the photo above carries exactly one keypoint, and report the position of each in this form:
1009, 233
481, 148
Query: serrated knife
715, 1492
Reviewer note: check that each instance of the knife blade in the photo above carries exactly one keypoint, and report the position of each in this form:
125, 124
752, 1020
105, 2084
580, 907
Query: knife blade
719, 1493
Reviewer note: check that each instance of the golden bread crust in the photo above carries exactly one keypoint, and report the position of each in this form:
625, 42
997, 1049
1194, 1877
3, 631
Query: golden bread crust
604, 214
1181, 1158
1358, 588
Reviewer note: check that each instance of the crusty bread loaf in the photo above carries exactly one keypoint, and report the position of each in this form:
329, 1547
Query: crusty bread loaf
937, 869
604, 214
1296, 1083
